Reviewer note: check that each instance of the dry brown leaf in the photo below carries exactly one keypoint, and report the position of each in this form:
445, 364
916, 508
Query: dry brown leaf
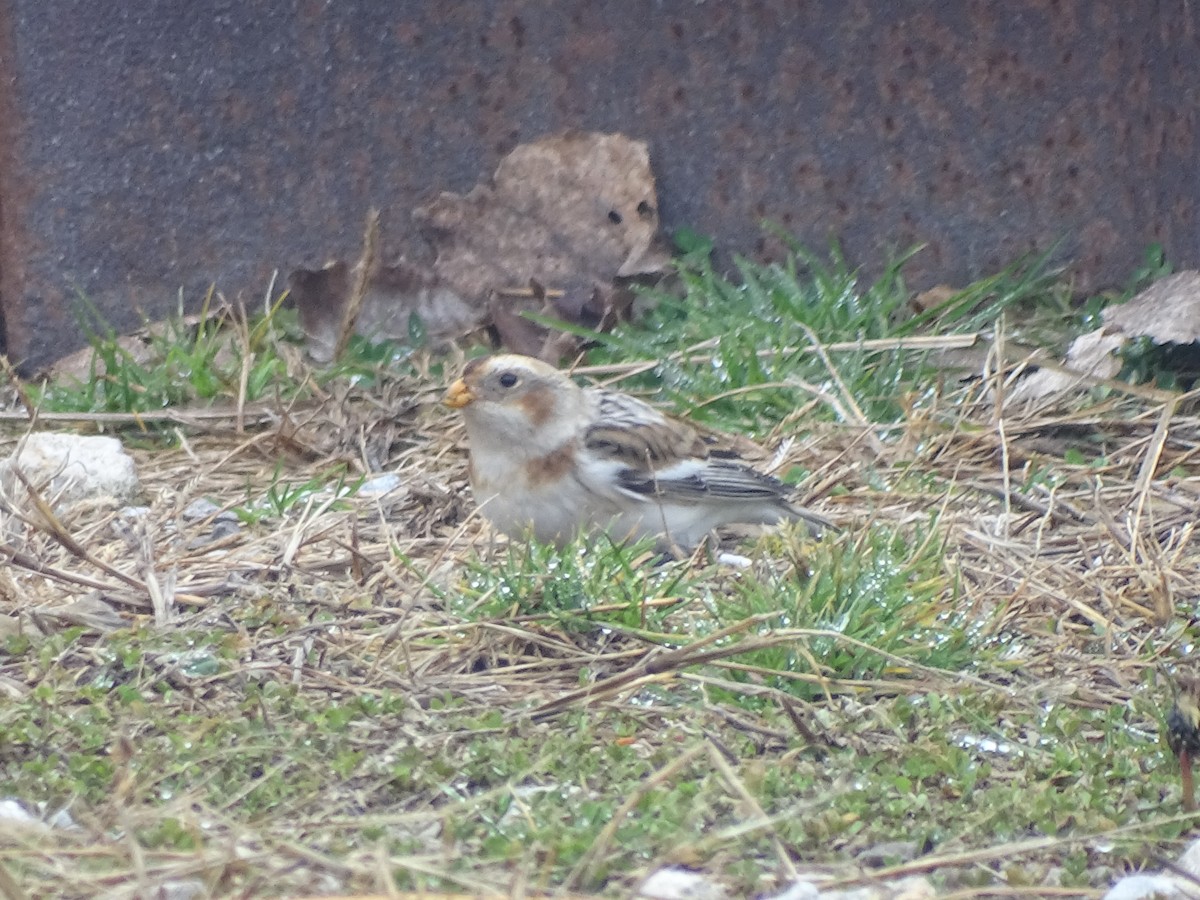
568, 214
1167, 312
395, 293
932, 298
1091, 355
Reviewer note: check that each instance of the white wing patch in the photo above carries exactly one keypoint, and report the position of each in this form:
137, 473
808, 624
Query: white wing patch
650, 457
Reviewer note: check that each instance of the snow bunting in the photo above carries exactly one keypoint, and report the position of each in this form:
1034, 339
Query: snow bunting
551, 458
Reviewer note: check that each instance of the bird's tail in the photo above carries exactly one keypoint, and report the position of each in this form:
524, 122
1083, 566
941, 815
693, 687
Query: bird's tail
817, 523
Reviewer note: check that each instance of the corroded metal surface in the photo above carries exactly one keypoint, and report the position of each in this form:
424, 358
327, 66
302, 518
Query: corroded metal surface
154, 147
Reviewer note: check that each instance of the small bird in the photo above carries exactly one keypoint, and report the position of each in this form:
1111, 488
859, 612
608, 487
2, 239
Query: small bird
553, 459
1183, 733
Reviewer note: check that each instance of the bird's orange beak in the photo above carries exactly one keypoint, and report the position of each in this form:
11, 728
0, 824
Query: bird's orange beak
459, 395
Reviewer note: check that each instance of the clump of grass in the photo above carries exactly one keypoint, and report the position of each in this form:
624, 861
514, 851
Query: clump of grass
1171, 367
366, 359
876, 607
588, 580
872, 610
747, 340
282, 496
179, 361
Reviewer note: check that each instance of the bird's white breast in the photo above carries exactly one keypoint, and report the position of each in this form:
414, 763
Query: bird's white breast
516, 498
583, 501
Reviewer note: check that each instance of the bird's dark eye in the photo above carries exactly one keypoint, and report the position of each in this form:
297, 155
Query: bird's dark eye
508, 379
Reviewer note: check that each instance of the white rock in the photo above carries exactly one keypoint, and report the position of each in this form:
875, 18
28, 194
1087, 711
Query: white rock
188, 889
380, 485
1161, 886
914, 887
61, 819
13, 813
1147, 887
1190, 861
71, 467
680, 884
180, 889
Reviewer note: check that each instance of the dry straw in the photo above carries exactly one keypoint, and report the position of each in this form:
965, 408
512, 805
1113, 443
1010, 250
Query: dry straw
1080, 566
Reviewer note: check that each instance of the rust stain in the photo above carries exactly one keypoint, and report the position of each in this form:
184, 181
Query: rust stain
538, 406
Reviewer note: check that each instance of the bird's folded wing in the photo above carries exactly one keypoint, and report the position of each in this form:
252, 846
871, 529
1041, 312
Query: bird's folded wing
646, 454
695, 481
638, 435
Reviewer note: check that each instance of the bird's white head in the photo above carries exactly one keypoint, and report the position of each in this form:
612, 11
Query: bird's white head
519, 401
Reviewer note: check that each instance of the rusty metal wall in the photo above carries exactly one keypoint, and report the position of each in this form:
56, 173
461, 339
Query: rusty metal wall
155, 147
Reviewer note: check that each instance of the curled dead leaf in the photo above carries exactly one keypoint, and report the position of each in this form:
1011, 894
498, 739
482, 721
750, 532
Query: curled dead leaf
1167, 312
574, 213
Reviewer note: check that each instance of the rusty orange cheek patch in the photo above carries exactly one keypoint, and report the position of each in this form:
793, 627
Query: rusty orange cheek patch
550, 468
538, 406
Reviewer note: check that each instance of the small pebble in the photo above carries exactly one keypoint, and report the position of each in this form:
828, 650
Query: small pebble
223, 527
680, 884
379, 485
200, 508
12, 812
1146, 887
